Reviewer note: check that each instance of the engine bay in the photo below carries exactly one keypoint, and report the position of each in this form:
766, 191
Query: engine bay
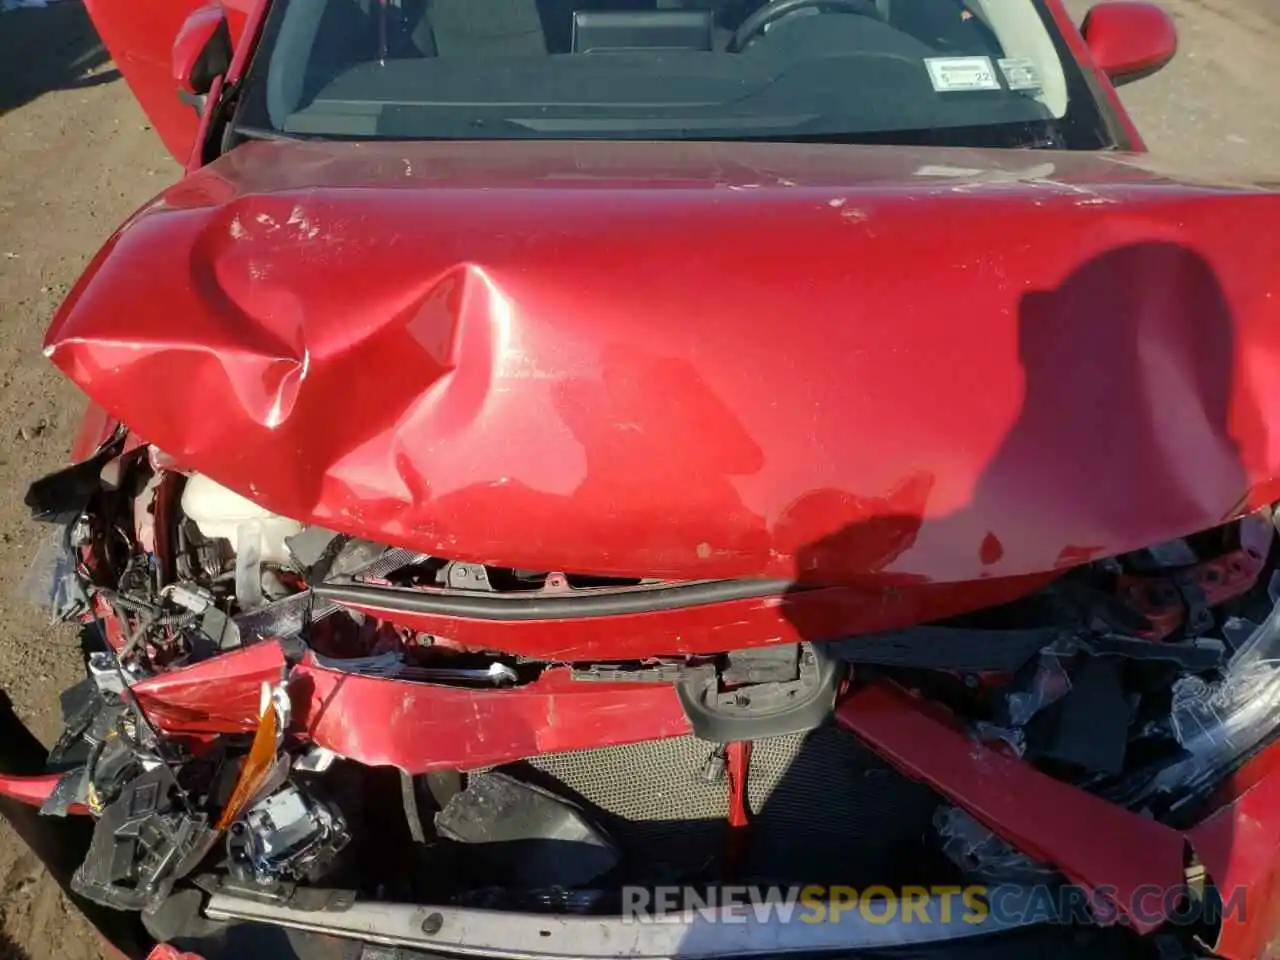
260, 717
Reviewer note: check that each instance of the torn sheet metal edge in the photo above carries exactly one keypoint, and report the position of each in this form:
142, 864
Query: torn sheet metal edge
524, 936
1108, 850
392, 665
418, 727
220, 695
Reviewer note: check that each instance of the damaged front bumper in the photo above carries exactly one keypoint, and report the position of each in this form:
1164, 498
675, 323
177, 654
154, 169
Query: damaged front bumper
262, 697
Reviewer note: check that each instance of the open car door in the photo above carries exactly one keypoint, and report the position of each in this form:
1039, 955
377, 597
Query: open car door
140, 35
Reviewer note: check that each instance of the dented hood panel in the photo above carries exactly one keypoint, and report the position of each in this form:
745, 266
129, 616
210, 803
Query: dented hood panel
839, 365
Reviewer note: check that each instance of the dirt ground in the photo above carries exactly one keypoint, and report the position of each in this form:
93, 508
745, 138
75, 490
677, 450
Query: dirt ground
77, 156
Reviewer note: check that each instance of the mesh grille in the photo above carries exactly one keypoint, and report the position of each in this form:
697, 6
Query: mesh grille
827, 810
824, 809
654, 780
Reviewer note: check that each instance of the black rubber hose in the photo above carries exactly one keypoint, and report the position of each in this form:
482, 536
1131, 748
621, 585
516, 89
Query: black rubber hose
566, 607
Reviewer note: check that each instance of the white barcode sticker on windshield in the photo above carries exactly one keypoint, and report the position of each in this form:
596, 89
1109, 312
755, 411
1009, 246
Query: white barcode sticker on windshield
1020, 74
954, 74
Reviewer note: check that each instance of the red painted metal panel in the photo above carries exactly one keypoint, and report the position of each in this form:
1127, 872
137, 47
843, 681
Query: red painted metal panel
140, 38
415, 726
1239, 846
701, 361
422, 727
1113, 853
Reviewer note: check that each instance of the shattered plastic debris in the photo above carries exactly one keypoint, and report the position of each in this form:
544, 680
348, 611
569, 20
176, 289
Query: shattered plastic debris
51, 581
285, 834
285, 818
389, 664
1219, 722
540, 839
143, 843
264, 769
1045, 687
1048, 685
393, 664
1015, 739
982, 855
314, 760
283, 619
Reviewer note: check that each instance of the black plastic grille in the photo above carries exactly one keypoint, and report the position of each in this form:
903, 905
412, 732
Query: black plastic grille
824, 808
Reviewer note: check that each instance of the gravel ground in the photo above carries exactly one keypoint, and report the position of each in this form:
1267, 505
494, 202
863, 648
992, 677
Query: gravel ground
77, 156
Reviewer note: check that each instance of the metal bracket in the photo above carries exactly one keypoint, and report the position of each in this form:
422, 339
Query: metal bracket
798, 695
661, 672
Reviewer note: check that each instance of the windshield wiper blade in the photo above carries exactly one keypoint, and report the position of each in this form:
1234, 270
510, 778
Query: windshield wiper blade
263, 133
1040, 134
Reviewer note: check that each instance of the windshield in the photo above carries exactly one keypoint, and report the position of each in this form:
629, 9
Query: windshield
950, 72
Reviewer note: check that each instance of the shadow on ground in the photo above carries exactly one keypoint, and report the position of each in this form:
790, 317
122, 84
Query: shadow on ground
49, 48
10, 950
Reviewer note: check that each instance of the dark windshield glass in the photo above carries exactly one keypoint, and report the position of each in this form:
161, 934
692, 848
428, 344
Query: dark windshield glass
963, 72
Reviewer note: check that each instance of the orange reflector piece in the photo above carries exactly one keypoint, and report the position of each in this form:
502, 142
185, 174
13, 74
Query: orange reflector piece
256, 769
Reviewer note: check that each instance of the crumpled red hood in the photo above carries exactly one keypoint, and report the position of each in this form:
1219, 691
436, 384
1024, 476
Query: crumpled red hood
833, 364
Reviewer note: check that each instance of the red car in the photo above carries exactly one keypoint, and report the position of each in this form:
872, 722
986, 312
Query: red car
690, 478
